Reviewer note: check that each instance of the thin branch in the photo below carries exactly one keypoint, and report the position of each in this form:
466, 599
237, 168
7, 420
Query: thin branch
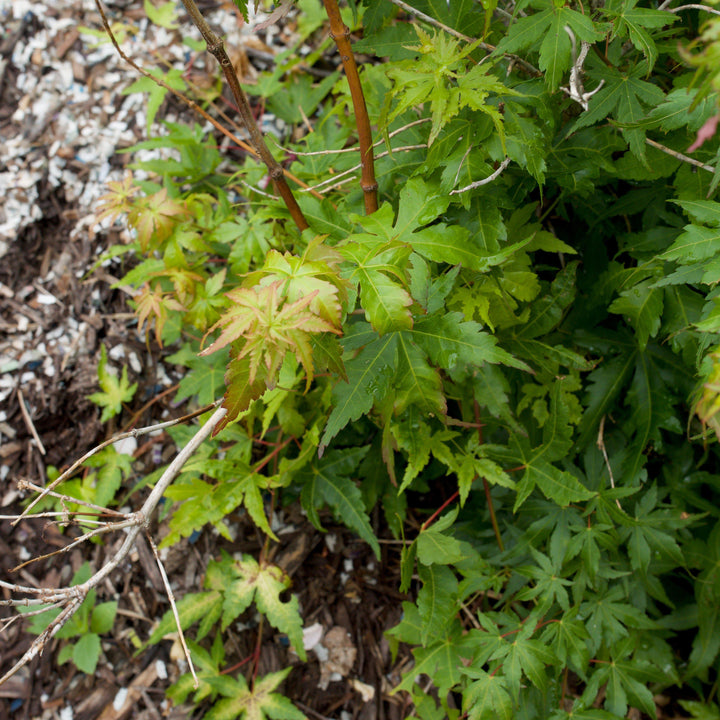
680, 156
184, 98
601, 447
29, 422
693, 6
352, 149
333, 181
136, 522
135, 433
432, 21
216, 48
576, 91
485, 46
484, 181
171, 598
41, 640
106, 528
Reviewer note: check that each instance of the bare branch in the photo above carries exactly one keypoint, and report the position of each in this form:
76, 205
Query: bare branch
171, 598
484, 181
134, 523
576, 91
115, 438
29, 422
333, 181
679, 155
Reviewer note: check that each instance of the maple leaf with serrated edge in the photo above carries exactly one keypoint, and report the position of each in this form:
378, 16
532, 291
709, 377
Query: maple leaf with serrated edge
430, 77
623, 96
642, 304
112, 468
154, 303
117, 201
316, 273
625, 679
155, 217
436, 600
205, 379
631, 22
369, 374
263, 584
488, 697
114, 391
257, 703
545, 31
458, 347
326, 480
191, 608
441, 658
270, 327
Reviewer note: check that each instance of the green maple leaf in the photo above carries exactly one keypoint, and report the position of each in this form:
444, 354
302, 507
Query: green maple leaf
603, 387
642, 304
114, 391
652, 407
164, 14
526, 657
204, 379
695, 243
440, 659
631, 22
487, 698
439, 76
203, 607
625, 680
369, 374
546, 31
417, 382
327, 480
435, 547
262, 584
436, 600
458, 346
568, 639
623, 98
112, 467
258, 703
157, 93
648, 534
204, 503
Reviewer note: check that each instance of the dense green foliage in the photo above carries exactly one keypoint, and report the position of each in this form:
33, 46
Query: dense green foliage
543, 344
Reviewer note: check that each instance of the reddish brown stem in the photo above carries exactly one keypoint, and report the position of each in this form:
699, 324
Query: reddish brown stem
340, 33
433, 517
216, 48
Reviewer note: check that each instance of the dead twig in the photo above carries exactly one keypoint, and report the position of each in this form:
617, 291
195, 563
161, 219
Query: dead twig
484, 181
29, 422
72, 597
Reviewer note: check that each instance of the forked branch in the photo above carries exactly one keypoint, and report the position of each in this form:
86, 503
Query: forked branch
71, 598
216, 48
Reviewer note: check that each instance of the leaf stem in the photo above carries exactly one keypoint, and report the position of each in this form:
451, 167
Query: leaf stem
340, 33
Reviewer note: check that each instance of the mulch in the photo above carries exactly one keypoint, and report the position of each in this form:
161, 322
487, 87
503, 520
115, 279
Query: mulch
62, 119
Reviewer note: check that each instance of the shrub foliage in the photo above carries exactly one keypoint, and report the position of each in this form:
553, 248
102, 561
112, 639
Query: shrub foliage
525, 330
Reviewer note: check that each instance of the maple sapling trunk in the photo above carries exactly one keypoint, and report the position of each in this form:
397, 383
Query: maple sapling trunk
216, 48
340, 33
